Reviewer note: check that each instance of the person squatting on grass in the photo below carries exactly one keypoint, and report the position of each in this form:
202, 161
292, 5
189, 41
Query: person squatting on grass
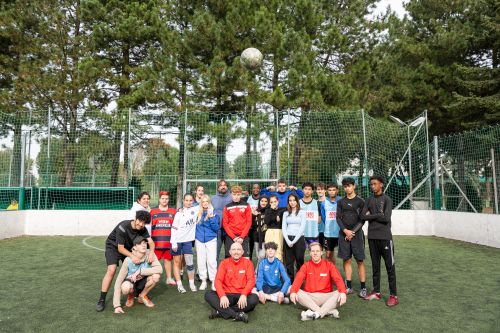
318, 296
351, 242
273, 283
183, 235
136, 279
237, 220
207, 225
377, 211
234, 282
119, 246
161, 231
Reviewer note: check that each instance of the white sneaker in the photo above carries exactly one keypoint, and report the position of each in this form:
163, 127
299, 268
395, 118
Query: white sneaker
193, 287
286, 300
334, 313
203, 285
312, 315
181, 289
304, 316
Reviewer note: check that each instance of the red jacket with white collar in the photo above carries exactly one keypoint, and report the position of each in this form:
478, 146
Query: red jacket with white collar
235, 277
318, 278
237, 219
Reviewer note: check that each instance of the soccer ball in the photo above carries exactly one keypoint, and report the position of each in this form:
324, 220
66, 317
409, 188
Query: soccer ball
251, 58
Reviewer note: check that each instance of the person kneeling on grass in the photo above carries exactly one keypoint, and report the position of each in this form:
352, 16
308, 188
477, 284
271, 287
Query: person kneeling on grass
136, 279
234, 282
318, 296
272, 280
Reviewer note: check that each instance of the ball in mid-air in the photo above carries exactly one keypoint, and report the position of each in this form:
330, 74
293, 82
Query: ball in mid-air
251, 58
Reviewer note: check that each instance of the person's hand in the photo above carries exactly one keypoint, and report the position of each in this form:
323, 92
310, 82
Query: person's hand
292, 188
240, 240
151, 257
119, 310
242, 302
281, 297
174, 249
134, 276
293, 298
348, 233
255, 212
224, 302
342, 299
262, 297
135, 260
271, 188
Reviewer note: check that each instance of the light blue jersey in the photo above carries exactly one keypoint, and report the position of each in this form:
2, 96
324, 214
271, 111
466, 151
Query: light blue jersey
329, 217
312, 216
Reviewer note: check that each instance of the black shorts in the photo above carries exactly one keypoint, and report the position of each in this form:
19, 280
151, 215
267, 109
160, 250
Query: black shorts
355, 247
331, 243
113, 257
245, 244
139, 285
321, 239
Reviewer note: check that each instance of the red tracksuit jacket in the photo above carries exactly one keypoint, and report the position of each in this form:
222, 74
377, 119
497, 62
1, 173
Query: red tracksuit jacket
237, 219
235, 277
318, 278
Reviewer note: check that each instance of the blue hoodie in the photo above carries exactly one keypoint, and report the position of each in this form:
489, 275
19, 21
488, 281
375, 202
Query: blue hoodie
272, 274
207, 230
282, 196
329, 217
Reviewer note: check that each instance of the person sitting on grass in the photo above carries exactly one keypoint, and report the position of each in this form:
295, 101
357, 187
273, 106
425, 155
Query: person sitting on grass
318, 296
118, 246
234, 282
272, 280
136, 279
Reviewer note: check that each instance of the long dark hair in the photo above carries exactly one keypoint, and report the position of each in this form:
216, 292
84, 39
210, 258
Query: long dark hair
288, 208
261, 209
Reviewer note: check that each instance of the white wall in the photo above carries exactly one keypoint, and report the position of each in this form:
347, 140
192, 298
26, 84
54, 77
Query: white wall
474, 228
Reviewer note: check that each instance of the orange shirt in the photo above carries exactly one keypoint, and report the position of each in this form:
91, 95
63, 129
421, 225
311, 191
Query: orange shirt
318, 278
235, 277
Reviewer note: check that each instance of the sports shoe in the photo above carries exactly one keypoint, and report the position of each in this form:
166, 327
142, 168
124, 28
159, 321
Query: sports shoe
170, 282
145, 300
130, 300
362, 293
392, 301
349, 290
309, 315
203, 285
373, 295
193, 287
214, 314
334, 313
286, 300
180, 288
197, 277
99, 307
241, 316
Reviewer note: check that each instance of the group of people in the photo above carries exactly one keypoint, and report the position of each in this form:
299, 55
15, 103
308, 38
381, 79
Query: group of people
278, 224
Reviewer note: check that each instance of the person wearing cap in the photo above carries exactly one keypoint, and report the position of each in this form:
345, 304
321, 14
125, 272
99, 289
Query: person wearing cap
272, 279
318, 296
119, 246
234, 282
136, 279
236, 221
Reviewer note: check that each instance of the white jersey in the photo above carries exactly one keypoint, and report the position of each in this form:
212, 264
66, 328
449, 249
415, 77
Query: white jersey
184, 226
254, 203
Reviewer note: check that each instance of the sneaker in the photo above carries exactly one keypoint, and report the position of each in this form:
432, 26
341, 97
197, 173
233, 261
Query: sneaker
286, 300
170, 282
203, 285
193, 287
197, 277
373, 295
363, 293
334, 313
145, 300
99, 307
180, 288
350, 290
392, 301
130, 300
214, 314
241, 316
303, 316
309, 315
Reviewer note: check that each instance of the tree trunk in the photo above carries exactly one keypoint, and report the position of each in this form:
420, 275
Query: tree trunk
182, 144
69, 150
248, 146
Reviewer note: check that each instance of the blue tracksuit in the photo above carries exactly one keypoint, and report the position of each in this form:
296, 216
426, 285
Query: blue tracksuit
207, 230
282, 196
272, 274
329, 217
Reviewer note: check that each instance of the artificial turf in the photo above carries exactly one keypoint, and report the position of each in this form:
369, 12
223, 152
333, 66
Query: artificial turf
51, 284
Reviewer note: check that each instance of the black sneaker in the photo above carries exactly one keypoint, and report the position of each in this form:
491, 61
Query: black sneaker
214, 315
99, 307
241, 316
197, 277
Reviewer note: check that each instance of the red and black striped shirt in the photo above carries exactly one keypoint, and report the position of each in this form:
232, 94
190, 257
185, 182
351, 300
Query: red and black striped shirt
161, 226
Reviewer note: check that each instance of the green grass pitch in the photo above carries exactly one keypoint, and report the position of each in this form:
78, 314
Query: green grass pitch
51, 284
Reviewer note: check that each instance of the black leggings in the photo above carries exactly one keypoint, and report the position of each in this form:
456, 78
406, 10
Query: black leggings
232, 310
294, 254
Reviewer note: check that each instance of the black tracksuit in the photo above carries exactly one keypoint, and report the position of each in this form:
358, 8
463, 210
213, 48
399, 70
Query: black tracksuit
377, 211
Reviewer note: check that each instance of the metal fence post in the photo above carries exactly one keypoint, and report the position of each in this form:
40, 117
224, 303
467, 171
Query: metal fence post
437, 191
495, 188
365, 162
22, 190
